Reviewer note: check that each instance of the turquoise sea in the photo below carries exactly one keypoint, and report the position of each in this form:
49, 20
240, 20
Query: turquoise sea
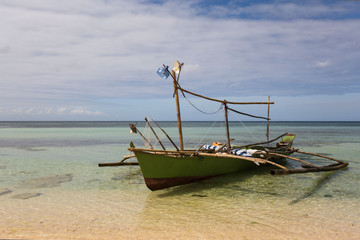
52, 188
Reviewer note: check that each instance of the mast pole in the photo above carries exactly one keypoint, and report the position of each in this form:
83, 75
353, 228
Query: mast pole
268, 123
227, 125
176, 94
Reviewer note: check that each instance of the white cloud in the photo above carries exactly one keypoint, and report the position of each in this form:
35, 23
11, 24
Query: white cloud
61, 110
82, 111
54, 56
29, 111
49, 111
322, 64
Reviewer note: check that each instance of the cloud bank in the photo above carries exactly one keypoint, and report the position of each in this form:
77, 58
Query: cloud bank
93, 58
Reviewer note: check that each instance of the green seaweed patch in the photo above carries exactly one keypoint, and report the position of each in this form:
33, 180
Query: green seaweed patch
119, 177
199, 195
46, 182
35, 149
27, 172
129, 176
32, 149
4, 191
24, 196
94, 180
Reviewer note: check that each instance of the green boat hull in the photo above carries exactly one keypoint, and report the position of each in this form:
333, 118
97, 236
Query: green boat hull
164, 171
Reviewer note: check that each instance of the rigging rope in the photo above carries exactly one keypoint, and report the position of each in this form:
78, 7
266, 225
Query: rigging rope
183, 91
221, 106
206, 135
247, 129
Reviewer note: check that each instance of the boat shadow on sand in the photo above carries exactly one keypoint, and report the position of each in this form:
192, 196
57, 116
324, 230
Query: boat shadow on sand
318, 184
239, 182
230, 181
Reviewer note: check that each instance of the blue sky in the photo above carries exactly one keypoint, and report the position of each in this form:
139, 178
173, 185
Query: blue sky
97, 60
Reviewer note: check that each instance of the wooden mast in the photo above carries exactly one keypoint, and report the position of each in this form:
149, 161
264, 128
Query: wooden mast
227, 125
176, 94
267, 125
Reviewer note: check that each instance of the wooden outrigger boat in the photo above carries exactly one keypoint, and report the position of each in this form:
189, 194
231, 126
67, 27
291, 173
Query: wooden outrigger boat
164, 168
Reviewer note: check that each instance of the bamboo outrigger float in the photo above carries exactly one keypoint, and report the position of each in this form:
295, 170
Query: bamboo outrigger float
163, 168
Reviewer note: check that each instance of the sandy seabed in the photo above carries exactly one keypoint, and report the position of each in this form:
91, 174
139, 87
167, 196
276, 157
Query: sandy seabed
102, 215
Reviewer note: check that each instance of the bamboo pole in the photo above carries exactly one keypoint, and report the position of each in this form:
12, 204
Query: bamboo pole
268, 124
221, 101
251, 159
330, 167
322, 156
133, 126
166, 135
276, 164
200, 147
246, 114
154, 133
220, 148
309, 167
133, 149
227, 126
176, 94
129, 163
116, 163
145, 139
292, 158
254, 144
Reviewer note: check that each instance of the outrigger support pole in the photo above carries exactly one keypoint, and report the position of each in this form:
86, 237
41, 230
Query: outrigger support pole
121, 163
308, 167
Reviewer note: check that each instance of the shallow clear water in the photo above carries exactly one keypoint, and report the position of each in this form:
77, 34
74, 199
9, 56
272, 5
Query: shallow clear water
50, 183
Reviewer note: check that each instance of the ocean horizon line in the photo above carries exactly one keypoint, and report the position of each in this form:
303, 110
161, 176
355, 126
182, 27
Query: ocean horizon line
109, 124
5, 121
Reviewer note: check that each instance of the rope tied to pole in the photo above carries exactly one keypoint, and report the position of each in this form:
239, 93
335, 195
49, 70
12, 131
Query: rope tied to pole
221, 106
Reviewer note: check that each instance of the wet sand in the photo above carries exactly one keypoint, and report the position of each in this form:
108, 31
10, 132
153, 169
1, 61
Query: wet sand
103, 215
